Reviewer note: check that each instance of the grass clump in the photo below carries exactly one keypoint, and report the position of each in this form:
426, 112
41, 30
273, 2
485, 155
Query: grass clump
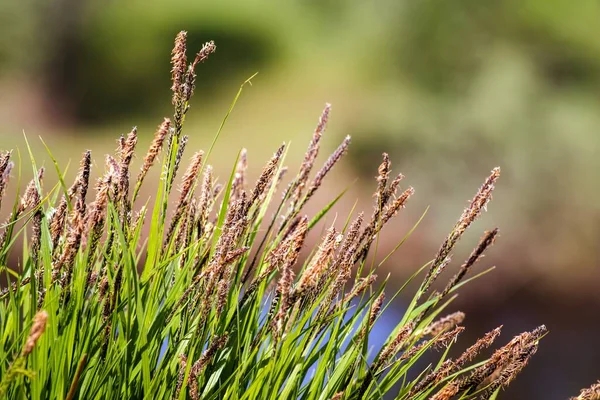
216, 302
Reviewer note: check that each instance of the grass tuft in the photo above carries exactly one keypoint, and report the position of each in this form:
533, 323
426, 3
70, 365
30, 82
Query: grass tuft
216, 301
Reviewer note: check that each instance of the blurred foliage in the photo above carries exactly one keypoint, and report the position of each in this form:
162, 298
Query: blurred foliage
449, 88
513, 83
111, 63
458, 37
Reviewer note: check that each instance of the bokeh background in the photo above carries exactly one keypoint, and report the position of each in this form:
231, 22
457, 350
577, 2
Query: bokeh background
450, 89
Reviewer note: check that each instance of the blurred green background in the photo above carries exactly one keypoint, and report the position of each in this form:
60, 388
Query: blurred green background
450, 89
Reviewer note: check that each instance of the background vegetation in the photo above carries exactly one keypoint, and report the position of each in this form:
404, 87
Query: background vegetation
448, 89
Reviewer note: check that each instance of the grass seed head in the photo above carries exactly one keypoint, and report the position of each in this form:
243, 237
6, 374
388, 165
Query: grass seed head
37, 329
179, 63
444, 324
591, 393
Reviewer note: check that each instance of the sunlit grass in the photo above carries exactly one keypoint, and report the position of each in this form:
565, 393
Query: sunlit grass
217, 300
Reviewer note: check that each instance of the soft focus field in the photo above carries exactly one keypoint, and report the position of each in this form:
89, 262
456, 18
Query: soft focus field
450, 90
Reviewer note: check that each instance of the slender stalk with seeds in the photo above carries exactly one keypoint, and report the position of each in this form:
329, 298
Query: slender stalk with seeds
440, 341
202, 362
328, 166
79, 188
390, 350
29, 200
36, 234
312, 274
296, 187
127, 151
17, 367
373, 315
478, 204
505, 363
444, 324
179, 63
266, 176
5, 168
450, 366
155, 147
591, 393
239, 179
309, 158
486, 241
188, 183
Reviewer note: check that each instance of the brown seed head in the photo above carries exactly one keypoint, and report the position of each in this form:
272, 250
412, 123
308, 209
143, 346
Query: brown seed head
37, 329
311, 275
266, 176
207, 356
359, 287
285, 284
391, 191
393, 209
4, 160
204, 202
113, 168
486, 341
179, 62
207, 49
284, 292
188, 87
234, 255
447, 392
351, 241
126, 156
444, 324
155, 147
395, 345
591, 393
383, 174
82, 182
297, 241
376, 308
239, 179
6, 167
502, 358
96, 215
309, 158
182, 144
329, 164
486, 241
189, 177
478, 204
31, 197
180, 375
438, 342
